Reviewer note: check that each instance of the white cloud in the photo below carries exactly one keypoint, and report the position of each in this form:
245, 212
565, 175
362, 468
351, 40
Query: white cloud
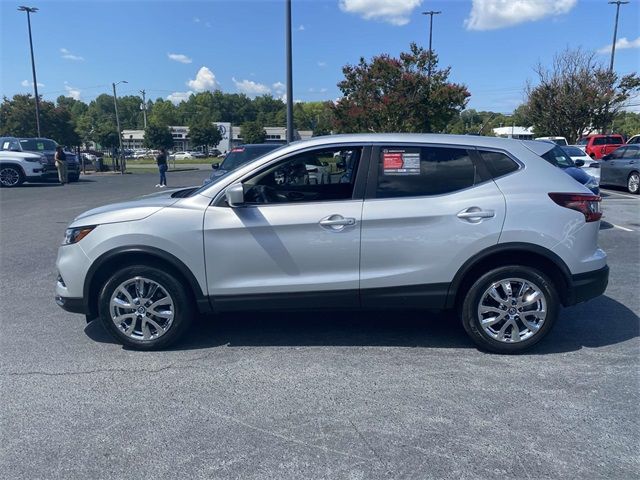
322, 64
72, 92
66, 54
177, 97
196, 20
494, 14
251, 88
205, 80
179, 57
395, 12
301, 28
622, 44
27, 83
207, 24
279, 87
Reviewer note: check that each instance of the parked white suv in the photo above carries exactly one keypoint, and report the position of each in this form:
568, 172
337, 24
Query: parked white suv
17, 167
479, 224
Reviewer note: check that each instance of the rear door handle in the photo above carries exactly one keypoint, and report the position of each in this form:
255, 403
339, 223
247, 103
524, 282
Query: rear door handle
337, 222
475, 214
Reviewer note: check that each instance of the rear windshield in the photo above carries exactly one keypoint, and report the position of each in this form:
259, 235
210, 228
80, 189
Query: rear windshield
241, 155
574, 151
558, 158
614, 140
37, 144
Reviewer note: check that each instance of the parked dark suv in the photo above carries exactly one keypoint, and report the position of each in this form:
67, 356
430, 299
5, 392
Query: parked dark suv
47, 147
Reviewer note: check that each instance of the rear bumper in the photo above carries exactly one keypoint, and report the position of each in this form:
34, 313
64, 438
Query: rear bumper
586, 286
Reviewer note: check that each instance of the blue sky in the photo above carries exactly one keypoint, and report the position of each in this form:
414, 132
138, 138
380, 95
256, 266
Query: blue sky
170, 48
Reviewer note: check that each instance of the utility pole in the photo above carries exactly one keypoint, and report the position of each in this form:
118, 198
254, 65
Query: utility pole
115, 103
431, 13
289, 72
29, 11
617, 3
144, 107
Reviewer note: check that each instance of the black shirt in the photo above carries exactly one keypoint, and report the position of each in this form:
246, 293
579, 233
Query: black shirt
161, 159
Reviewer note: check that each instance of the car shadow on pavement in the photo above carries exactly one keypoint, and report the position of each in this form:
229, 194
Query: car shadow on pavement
598, 323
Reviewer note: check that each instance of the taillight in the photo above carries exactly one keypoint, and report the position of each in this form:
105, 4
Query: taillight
588, 205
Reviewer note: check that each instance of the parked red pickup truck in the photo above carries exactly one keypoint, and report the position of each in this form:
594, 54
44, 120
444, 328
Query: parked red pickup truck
597, 146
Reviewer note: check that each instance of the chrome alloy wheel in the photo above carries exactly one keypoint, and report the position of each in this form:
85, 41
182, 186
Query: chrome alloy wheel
142, 309
9, 177
633, 183
512, 310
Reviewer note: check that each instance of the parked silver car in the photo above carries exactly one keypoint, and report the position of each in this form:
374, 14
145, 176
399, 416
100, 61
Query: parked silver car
621, 168
478, 224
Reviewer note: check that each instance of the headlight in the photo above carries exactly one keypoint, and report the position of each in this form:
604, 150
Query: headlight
74, 235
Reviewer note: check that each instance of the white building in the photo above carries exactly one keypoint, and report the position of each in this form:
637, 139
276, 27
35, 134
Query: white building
520, 133
134, 139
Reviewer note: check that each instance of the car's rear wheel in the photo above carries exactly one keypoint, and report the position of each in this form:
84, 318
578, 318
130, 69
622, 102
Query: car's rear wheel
510, 308
11, 176
145, 308
633, 182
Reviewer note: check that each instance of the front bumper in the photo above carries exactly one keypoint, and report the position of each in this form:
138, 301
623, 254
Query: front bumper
588, 285
73, 305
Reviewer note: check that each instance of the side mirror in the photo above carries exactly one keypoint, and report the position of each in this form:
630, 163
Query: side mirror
235, 195
215, 166
579, 163
607, 157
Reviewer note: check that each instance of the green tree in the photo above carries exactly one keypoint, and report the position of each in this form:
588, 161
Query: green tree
163, 112
17, 118
397, 95
627, 123
204, 134
577, 95
157, 136
252, 132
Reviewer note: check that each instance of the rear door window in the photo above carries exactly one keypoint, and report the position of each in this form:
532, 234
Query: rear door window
631, 152
600, 141
614, 140
408, 171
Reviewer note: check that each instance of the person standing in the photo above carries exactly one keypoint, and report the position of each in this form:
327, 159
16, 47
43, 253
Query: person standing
161, 160
61, 164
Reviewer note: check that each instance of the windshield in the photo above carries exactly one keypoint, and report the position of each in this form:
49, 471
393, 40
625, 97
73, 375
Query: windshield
241, 155
37, 144
574, 152
558, 158
215, 179
583, 141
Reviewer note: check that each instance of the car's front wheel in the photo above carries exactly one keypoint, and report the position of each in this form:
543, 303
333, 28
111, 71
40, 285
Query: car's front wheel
633, 182
509, 309
11, 176
145, 308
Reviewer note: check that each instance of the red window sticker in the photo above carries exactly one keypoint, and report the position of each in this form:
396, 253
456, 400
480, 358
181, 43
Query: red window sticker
392, 161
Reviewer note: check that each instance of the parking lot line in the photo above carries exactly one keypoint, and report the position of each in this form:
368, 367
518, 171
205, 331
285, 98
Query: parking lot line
623, 228
610, 192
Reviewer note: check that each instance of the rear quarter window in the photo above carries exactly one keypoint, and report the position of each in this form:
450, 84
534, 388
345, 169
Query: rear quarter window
614, 140
499, 164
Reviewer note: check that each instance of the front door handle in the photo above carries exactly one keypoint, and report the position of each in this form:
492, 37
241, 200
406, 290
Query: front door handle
475, 214
337, 222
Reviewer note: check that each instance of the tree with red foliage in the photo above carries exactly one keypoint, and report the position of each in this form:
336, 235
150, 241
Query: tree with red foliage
397, 95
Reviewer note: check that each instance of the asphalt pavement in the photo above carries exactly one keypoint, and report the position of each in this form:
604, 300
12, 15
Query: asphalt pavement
318, 395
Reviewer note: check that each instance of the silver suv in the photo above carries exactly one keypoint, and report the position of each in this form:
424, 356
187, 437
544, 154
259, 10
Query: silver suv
481, 225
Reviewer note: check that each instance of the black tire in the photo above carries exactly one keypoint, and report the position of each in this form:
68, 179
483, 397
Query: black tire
632, 183
183, 310
11, 176
471, 303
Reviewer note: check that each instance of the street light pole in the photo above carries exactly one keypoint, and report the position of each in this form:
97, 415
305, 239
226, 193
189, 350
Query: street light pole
115, 103
289, 72
617, 3
29, 11
431, 13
